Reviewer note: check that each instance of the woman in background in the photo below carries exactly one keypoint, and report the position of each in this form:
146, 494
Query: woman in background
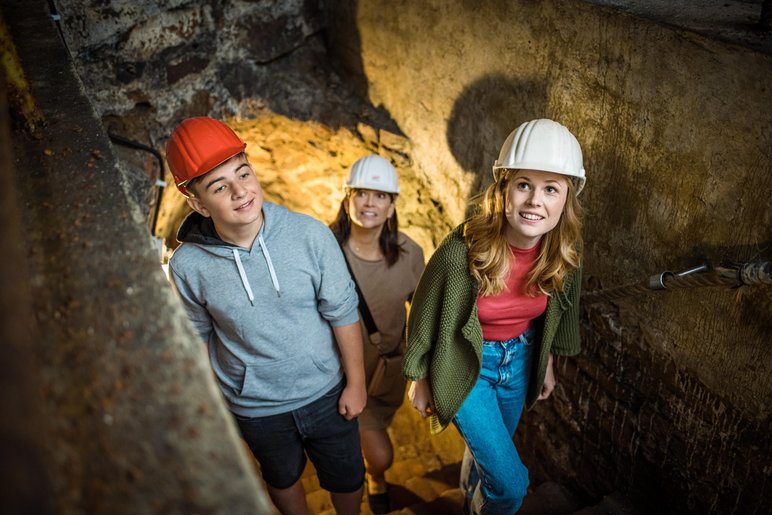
386, 265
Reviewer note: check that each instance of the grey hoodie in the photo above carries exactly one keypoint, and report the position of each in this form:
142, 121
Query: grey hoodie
265, 313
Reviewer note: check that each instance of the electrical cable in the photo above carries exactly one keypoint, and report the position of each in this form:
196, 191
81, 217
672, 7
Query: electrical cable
159, 182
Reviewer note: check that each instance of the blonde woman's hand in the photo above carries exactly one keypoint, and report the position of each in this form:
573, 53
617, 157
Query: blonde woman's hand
420, 395
549, 381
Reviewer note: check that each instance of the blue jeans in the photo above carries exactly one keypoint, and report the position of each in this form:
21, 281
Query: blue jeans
492, 475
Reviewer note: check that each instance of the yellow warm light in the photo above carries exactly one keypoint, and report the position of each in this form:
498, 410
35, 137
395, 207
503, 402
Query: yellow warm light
19, 94
302, 164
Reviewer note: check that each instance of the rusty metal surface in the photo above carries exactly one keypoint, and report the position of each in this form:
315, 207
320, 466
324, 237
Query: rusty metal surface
136, 423
24, 484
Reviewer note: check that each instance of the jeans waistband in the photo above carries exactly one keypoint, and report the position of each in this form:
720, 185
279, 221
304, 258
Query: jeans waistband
526, 337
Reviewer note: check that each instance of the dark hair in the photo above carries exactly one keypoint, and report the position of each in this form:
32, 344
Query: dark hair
191, 186
192, 183
388, 240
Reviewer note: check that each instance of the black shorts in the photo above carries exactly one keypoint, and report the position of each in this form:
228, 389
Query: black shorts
280, 444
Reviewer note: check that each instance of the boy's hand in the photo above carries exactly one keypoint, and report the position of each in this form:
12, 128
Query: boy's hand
354, 396
352, 401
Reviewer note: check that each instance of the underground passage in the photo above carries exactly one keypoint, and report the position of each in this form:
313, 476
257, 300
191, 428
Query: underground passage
110, 404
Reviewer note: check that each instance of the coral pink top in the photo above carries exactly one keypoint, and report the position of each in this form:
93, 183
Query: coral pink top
509, 313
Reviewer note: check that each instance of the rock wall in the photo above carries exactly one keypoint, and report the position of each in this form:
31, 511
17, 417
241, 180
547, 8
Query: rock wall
262, 66
670, 399
108, 403
26, 487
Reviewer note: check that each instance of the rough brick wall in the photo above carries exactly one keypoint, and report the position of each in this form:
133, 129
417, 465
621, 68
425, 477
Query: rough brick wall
628, 418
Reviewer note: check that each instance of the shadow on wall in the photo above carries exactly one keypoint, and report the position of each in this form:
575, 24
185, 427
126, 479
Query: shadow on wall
242, 59
484, 115
342, 34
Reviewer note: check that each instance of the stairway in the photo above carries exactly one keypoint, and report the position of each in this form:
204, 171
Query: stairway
424, 479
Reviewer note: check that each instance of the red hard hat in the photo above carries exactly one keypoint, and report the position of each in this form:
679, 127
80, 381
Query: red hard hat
197, 146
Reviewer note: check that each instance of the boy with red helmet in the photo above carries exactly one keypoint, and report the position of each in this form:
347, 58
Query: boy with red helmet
270, 295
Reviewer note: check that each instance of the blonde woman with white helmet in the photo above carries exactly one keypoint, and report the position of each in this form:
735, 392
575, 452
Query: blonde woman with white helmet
498, 299
386, 265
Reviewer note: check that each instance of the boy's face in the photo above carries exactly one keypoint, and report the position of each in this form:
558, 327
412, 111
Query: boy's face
231, 195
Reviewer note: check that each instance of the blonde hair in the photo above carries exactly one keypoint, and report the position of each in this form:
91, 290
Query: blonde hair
489, 254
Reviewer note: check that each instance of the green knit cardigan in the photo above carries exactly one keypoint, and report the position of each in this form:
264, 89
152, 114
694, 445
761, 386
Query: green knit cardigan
444, 336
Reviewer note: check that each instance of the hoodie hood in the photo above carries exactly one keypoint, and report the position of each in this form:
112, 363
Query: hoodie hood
200, 230
197, 228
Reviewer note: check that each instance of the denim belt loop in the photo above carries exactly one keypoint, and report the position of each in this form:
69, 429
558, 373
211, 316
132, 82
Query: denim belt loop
528, 335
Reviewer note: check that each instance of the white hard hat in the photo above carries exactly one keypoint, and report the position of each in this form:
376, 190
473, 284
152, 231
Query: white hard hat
542, 145
372, 173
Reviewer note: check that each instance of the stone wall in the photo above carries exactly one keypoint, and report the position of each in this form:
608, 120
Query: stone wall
670, 399
173, 59
261, 66
108, 403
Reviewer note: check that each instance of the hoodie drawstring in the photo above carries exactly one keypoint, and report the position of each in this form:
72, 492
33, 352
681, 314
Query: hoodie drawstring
268, 261
243, 275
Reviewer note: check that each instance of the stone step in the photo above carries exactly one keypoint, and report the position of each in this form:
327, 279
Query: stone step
612, 504
417, 491
426, 488
412, 487
450, 502
550, 499
427, 496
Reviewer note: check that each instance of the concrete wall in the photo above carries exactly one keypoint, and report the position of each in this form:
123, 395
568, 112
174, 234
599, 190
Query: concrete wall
670, 399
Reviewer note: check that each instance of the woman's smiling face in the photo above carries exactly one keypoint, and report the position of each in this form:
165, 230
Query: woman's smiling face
534, 204
370, 209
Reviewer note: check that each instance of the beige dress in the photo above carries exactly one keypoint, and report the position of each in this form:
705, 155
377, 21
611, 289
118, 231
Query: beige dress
386, 289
